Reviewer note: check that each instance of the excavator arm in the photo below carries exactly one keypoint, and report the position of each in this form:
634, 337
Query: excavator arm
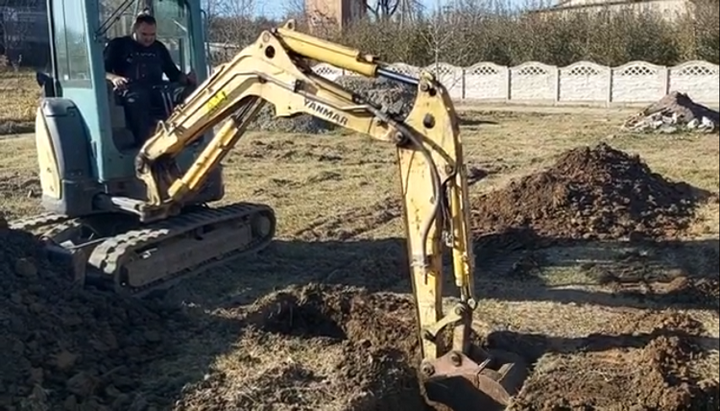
275, 69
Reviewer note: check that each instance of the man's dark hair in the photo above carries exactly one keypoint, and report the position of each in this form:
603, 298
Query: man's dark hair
144, 19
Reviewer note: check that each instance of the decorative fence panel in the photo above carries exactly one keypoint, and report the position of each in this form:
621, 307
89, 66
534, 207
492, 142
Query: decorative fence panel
583, 82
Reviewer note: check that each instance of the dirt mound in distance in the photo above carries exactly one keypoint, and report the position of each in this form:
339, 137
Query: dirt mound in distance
589, 193
391, 95
395, 97
368, 343
64, 346
672, 111
630, 370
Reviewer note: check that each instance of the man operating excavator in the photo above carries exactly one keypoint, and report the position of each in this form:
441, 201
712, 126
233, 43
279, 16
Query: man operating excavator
135, 65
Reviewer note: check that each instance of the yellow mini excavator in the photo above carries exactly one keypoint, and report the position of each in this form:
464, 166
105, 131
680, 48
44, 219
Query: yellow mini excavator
137, 219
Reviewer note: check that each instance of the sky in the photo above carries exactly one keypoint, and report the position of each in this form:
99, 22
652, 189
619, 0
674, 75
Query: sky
276, 9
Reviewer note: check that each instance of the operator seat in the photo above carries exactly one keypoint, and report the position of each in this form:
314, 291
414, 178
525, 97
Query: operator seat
121, 134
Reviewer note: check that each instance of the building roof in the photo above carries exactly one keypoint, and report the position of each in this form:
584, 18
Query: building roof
567, 4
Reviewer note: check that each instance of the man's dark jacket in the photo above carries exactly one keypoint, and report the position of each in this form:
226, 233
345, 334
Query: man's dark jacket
145, 65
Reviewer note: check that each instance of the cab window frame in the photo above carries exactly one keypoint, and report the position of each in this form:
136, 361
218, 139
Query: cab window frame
72, 54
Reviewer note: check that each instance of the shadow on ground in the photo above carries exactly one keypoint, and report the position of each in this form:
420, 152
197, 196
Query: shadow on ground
639, 274
11, 128
227, 307
380, 265
473, 121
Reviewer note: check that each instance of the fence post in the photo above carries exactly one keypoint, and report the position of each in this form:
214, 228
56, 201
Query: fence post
557, 85
508, 97
609, 99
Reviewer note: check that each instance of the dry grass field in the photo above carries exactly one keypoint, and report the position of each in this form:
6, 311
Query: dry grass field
322, 319
19, 93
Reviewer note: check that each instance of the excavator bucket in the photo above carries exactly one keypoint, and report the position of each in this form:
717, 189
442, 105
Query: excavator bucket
455, 382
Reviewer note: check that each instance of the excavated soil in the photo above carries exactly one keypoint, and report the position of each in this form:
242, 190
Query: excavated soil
368, 344
364, 345
75, 349
589, 193
682, 106
628, 371
64, 346
672, 111
70, 348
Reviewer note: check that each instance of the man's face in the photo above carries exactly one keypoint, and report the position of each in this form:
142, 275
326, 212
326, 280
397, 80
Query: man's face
145, 34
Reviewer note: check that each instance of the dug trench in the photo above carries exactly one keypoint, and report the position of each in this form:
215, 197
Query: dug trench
348, 345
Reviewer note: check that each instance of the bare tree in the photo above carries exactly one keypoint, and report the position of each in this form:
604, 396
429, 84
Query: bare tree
446, 34
440, 33
295, 9
403, 10
383, 9
231, 26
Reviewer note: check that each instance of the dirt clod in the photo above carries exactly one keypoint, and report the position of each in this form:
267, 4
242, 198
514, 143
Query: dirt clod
589, 193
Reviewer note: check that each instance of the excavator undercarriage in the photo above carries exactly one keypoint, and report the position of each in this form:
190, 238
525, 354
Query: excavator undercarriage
115, 251
139, 244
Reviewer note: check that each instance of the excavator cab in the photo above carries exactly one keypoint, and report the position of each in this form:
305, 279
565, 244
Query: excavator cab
81, 117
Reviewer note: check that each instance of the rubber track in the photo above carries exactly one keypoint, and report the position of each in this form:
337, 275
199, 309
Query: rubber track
108, 255
38, 221
59, 228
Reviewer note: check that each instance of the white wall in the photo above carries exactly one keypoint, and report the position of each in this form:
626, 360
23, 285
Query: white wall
579, 83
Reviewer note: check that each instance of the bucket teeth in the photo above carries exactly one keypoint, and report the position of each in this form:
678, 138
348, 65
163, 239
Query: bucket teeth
456, 382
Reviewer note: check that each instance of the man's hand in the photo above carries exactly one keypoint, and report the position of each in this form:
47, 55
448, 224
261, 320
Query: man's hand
118, 82
191, 78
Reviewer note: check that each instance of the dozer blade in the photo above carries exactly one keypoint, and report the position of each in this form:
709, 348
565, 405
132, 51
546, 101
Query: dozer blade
456, 382
157, 255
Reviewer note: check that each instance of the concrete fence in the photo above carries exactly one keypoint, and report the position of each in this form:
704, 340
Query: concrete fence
579, 83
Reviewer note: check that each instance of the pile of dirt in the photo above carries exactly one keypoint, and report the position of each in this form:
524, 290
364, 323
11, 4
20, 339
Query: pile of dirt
64, 346
589, 193
397, 98
391, 95
368, 344
630, 370
673, 112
